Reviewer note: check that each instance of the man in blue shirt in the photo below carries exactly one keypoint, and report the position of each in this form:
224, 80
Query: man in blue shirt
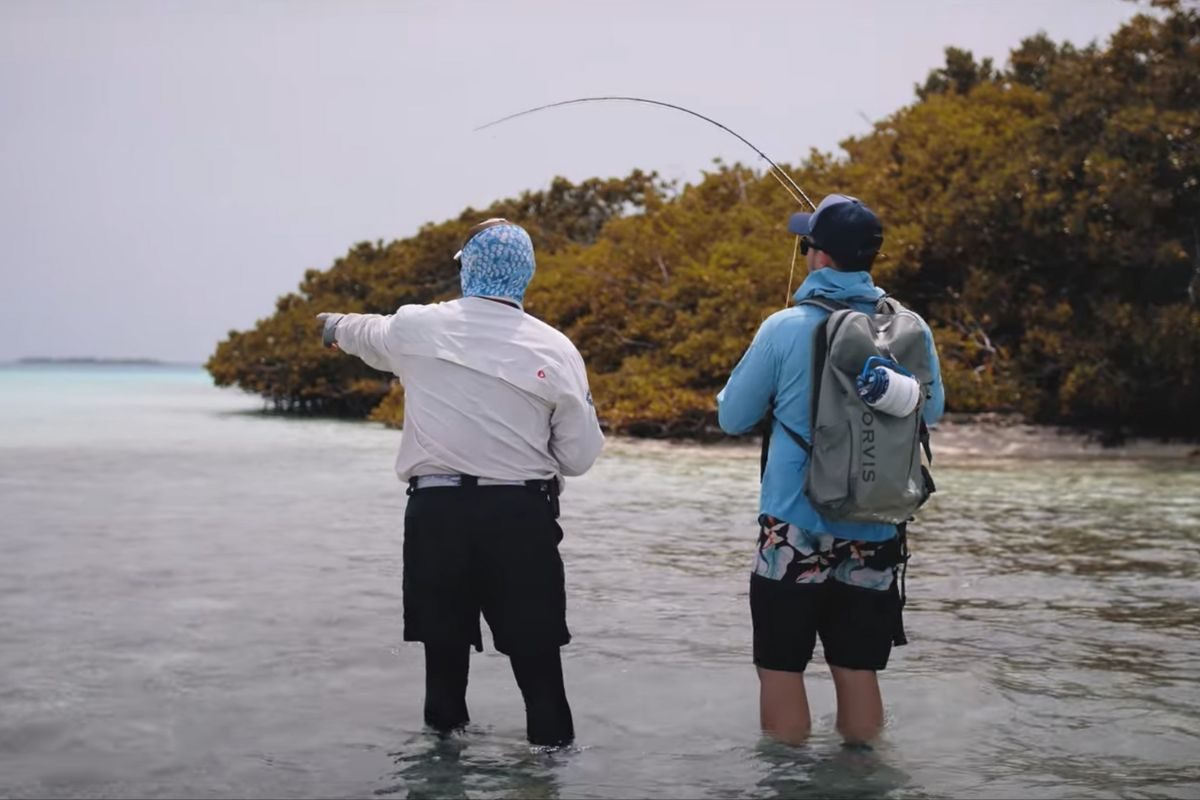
815, 576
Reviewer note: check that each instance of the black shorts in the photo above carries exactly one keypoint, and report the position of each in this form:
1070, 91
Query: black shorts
483, 548
857, 626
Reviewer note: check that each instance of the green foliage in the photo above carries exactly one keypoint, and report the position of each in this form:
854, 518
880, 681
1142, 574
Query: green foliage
1044, 217
960, 75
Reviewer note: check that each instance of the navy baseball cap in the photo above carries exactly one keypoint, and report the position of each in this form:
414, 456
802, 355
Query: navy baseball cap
843, 227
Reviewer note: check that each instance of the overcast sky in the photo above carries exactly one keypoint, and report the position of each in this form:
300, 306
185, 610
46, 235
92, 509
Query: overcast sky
167, 169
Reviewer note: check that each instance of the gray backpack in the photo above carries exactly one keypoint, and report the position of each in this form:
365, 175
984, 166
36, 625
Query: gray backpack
865, 465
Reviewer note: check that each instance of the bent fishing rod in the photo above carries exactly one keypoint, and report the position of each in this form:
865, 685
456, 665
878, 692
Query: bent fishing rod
786, 181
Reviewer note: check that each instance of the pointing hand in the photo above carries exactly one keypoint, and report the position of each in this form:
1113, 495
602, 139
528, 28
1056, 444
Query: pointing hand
330, 322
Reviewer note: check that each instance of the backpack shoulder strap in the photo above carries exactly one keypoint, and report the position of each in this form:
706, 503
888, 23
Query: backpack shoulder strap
831, 306
770, 421
887, 304
797, 438
826, 303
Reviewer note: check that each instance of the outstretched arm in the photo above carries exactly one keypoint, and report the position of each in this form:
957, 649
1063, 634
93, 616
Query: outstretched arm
362, 335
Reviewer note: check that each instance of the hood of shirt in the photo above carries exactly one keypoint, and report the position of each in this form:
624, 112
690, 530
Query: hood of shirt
498, 263
845, 287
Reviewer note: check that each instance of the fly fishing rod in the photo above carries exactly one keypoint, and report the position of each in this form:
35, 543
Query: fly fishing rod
786, 181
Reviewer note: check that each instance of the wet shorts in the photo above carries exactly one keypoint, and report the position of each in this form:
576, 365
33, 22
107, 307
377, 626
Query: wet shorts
806, 585
489, 549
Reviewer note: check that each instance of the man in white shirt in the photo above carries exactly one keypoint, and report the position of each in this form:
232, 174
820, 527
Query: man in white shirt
496, 411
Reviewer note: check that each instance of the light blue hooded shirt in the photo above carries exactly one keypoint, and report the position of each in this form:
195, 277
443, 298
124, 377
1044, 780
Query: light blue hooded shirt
778, 364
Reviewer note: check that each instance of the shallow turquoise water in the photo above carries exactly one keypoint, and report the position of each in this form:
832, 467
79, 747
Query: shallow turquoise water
199, 600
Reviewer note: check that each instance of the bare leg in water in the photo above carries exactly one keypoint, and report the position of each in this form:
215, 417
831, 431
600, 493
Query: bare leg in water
783, 705
859, 704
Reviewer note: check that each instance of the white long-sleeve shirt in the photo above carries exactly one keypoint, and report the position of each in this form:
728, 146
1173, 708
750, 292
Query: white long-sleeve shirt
488, 390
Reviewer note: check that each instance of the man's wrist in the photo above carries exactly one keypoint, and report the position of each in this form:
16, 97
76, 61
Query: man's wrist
329, 332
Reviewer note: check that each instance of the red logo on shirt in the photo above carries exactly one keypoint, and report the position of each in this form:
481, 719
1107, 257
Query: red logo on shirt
541, 373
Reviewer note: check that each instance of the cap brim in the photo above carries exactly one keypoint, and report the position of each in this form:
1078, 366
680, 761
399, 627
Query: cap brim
800, 223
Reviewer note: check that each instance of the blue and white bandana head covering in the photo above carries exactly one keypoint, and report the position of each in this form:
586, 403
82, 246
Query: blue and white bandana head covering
497, 262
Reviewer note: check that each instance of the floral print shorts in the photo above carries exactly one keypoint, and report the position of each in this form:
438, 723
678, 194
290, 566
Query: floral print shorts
796, 555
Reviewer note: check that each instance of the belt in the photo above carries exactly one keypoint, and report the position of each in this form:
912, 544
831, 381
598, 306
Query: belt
546, 486
434, 481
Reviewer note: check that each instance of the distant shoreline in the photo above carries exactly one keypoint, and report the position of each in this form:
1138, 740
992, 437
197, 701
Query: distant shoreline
965, 439
88, 361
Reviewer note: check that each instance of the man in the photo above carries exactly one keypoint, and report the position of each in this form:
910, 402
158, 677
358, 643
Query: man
813, 575
496, 409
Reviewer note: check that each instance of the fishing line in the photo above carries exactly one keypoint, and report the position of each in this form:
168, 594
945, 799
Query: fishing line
791, 274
